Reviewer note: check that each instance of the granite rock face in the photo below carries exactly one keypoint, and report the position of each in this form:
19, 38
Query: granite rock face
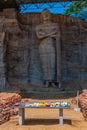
22, 59
2, 61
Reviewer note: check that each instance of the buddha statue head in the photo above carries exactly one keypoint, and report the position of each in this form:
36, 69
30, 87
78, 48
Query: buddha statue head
46, 16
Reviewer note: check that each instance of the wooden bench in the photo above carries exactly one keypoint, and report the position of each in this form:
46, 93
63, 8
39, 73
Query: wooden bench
23, 105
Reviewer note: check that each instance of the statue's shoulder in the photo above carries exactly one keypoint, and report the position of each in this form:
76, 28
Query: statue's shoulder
46, 24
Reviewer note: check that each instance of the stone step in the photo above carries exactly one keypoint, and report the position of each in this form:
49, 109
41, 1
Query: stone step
49, 94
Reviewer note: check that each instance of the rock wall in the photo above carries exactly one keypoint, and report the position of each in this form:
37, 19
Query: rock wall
17, 54
2, 61
22, 55
73, 45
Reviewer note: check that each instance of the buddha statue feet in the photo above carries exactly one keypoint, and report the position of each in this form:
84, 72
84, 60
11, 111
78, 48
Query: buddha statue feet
49, 84
57, 85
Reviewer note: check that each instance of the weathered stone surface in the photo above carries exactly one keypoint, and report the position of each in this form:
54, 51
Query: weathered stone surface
49, 49
9, 13
2, 63
2, 18
23, 64
73, 33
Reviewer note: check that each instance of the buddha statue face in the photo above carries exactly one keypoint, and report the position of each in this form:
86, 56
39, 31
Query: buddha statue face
46, 16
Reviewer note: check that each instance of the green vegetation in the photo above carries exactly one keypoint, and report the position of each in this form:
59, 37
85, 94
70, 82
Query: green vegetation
76, 7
